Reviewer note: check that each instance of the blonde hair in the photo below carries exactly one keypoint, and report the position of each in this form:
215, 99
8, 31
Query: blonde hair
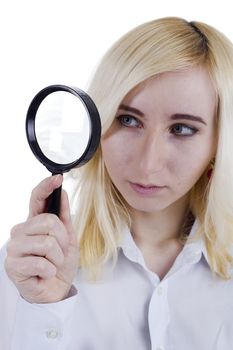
167, 44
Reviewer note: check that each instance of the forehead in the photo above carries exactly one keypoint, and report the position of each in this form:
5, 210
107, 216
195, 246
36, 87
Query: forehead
190, 91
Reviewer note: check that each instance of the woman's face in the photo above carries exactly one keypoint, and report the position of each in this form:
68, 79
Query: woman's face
163, 135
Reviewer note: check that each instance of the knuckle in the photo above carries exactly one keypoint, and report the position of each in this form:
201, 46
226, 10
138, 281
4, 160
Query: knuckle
41, 243
14, 231
23, 266
49, 243
6, 265
40, 265
10, 247
50, 220
9, 266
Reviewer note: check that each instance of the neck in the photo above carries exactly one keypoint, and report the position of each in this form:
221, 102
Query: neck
158, 228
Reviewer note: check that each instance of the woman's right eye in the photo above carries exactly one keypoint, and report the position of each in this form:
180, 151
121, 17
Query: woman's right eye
129, 121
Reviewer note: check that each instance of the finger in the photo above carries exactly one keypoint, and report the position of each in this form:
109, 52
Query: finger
43, 224
65, 217
41, 192
43, 245
20, 269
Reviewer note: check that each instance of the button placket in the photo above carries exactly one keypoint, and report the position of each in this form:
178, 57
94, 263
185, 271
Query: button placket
159, 316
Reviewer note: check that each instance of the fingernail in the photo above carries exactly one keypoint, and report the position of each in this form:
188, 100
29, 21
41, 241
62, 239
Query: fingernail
56, 178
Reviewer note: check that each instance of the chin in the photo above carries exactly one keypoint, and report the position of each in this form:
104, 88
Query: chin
149, 208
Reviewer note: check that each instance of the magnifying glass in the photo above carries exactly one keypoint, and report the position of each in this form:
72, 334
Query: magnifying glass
63, 130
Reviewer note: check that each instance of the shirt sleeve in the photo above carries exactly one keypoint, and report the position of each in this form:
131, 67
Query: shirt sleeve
43, 326
33, 326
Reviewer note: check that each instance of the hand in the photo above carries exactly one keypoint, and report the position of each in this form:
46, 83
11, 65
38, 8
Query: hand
42, 254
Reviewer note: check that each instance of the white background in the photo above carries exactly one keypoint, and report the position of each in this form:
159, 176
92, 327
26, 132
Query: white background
46, 42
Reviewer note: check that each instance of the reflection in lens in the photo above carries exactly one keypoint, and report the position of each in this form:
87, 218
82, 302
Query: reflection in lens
62, 127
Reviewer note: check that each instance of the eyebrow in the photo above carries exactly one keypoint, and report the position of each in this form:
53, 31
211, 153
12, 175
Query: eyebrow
132, 109
176, 116
188, 117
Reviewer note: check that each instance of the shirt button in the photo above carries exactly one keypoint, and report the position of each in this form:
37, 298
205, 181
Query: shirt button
52, 334
159, 292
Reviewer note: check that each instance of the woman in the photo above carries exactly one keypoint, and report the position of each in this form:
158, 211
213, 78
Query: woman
146, 262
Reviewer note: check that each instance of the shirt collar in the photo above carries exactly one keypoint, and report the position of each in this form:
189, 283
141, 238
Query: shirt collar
192, 252
195, 245
130, 249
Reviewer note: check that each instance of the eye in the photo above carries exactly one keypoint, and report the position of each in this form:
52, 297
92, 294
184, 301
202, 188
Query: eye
129, 121
184, 130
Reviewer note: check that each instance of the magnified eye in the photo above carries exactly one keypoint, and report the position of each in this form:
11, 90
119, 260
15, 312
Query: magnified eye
128, 121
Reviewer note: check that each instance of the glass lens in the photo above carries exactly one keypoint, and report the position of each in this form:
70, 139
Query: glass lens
62, 127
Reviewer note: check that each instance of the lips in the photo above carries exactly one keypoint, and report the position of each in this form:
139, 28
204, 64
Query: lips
147, 186
147, 189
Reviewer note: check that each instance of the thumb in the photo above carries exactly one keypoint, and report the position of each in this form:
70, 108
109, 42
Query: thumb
41, 192
65, 217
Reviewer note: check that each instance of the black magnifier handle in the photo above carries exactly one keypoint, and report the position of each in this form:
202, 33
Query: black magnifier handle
54, 201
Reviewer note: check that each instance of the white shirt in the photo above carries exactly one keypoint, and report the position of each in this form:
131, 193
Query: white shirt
131, 309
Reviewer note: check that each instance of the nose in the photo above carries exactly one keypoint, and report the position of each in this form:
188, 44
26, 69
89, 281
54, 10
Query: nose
153, 153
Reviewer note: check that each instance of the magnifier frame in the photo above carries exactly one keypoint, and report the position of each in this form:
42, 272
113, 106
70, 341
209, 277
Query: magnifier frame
93, 142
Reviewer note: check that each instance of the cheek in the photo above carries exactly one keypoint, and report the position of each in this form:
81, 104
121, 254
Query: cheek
118, 149
191, 157
113, 154
191, 165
